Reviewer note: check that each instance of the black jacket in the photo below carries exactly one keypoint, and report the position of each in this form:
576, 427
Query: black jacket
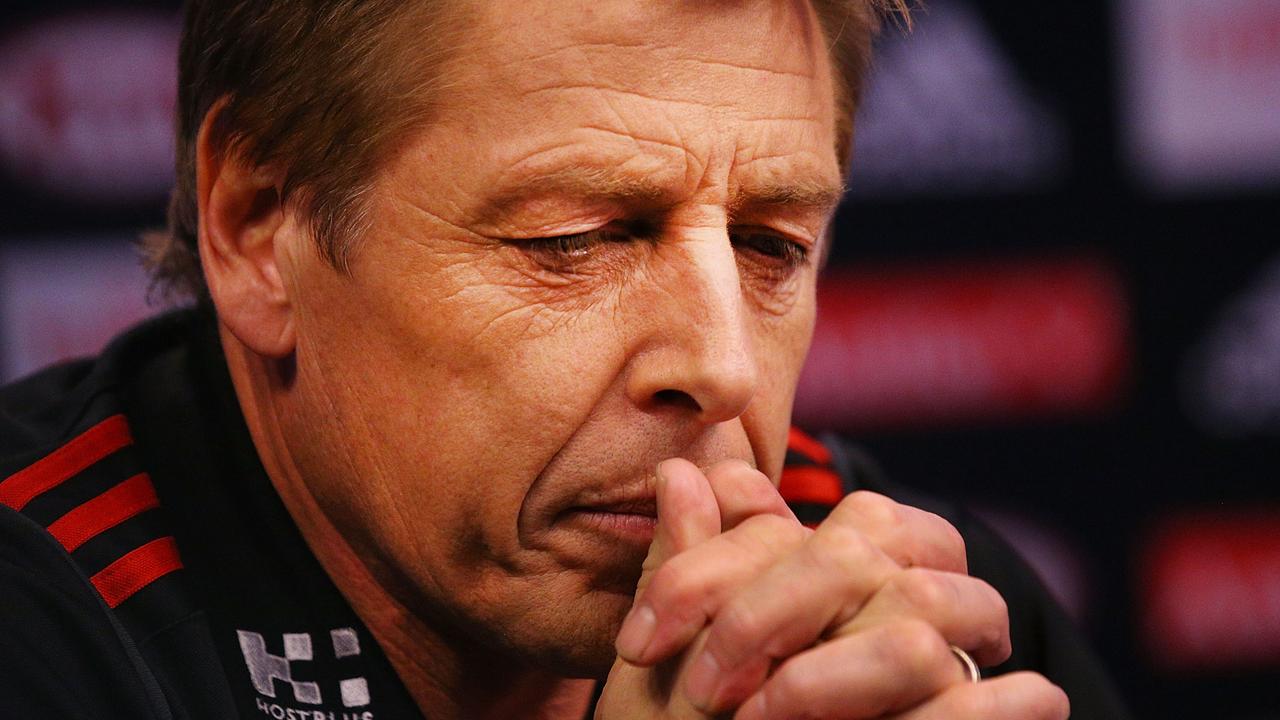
148, 569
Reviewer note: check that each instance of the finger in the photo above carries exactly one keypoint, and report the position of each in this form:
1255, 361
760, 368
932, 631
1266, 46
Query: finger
786, 609
743, 492
885, 669
967, 611
687, 510
1017, 696
687, 516
911, 536
691, 587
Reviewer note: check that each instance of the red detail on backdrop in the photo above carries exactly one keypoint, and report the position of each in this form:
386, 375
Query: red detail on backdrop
1211, 588
88, 105
957, 342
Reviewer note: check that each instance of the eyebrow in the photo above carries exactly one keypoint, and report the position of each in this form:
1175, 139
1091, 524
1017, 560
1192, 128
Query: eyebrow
807, 194
577, 181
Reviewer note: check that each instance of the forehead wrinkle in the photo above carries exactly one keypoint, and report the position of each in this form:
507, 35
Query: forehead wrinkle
579, 181
585, 52
630, 91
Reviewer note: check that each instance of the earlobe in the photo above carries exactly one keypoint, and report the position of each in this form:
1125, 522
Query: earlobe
242, 237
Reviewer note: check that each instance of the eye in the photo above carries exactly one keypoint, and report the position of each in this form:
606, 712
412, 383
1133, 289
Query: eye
771, 246
568, 247
562, 251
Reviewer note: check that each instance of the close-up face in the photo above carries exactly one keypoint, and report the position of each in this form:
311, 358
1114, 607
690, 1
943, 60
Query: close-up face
598, 254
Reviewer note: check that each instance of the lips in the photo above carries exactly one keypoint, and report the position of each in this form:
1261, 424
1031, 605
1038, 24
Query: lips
646, 505
636, 497
627, 515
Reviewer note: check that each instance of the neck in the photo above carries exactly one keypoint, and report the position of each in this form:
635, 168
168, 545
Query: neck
446, 679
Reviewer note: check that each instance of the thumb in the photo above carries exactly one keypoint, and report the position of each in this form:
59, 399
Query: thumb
687, 515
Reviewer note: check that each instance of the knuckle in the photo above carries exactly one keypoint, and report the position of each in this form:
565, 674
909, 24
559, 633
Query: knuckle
997, 634
770, 526
953, 544
978, 702
864, 506
730, 465
1024, 694
669, 579
674, 585
1050, 702
756, 493
916, 646
766, 536
737, 627
1061, 705
926, 590
791, 687
999, 605
843, 549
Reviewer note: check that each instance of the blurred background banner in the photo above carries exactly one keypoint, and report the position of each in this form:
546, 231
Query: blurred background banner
1054, 290
1200, 80
938, 344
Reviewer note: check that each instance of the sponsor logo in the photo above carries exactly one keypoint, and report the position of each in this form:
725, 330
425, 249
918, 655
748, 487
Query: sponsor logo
945, 112
1201, 80
86, 105
1231, 382
1211, 586
953, 343
271, 673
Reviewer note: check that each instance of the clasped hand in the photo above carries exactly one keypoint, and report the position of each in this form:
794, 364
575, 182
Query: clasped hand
743, 612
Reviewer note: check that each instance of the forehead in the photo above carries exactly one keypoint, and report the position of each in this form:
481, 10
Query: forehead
666, 90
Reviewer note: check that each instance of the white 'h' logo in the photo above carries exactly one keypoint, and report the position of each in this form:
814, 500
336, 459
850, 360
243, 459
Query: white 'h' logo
265, 668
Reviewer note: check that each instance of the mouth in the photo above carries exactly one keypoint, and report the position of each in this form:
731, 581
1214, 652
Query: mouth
630, 521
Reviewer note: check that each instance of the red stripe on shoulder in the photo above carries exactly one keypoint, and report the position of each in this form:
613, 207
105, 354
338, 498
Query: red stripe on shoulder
801, 442
104, 512
84, 450
139, 568
810, 484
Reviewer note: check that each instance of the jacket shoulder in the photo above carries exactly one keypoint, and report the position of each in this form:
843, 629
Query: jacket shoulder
63, 653
41, 409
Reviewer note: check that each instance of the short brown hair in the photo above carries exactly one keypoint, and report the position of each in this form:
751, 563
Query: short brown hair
325, 89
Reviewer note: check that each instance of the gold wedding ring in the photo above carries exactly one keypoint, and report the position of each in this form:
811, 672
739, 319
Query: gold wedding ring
970, 667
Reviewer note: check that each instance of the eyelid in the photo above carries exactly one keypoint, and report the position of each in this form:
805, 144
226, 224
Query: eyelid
800, 239
794, 232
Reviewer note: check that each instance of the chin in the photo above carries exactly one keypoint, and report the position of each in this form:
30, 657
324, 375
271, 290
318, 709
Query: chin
566, 638
585, 660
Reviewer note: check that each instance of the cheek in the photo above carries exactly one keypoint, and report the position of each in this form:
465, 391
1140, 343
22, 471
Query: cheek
783, 338
464, 389
782, 344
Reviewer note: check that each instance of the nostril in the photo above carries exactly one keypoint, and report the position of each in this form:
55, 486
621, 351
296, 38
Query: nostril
676, 398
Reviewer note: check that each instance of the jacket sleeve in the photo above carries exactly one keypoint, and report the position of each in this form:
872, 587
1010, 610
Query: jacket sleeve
1044, 637
62, 655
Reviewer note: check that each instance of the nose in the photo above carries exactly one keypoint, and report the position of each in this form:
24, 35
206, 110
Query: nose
698, 356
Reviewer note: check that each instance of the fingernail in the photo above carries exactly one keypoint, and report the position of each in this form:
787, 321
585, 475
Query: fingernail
665, 476
701, 684
636, 634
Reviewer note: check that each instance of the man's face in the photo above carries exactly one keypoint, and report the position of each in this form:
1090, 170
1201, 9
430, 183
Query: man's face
600, 253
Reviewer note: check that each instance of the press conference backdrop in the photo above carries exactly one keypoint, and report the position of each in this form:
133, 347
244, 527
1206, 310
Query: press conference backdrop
1054, 290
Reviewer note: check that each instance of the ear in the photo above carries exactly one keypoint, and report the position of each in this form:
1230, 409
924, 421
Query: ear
241, 234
